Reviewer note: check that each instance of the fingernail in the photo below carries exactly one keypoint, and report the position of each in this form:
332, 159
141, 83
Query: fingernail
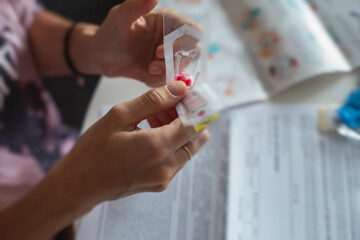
155, 70
160, 54
177, 88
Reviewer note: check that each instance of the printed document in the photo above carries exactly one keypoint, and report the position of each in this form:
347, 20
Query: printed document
287, 181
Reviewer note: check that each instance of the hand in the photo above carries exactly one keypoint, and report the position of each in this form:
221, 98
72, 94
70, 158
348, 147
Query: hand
129, 42
114, 158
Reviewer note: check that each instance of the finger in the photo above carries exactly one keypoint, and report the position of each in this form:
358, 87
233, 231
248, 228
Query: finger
153, 102
173, 113
182, 156
157, 67
167, 117
159, 53
150, 80
174, 135
129, 11
187, 151
167, 169
164, 118
154, 122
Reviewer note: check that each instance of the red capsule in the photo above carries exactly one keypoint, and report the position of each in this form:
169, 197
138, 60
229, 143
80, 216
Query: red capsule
185, 77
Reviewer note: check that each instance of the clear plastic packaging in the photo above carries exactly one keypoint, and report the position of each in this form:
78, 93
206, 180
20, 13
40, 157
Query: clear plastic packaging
185, 58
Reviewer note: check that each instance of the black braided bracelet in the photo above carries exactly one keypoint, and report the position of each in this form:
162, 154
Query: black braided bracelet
80, 77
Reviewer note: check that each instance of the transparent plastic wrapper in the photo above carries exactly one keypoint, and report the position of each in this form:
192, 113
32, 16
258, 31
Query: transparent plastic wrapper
185, 58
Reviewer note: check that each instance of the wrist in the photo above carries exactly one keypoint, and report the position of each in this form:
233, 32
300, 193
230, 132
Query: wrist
68, 189
44, 211
82, 49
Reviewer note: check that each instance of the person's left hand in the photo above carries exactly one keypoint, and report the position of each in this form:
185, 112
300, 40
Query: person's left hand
129, 42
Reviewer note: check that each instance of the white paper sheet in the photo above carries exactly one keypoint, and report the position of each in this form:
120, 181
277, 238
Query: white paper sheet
258, 48
285, 39
287, 181
230, 70
342, 21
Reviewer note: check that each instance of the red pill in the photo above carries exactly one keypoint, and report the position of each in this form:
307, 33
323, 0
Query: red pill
185, 77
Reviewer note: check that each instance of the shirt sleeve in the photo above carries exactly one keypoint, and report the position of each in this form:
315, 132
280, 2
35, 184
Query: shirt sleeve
27, 10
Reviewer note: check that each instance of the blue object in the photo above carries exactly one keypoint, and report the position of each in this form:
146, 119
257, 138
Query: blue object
350, 112
214, 48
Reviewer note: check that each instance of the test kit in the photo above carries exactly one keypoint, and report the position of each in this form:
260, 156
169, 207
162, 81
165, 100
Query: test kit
184, 58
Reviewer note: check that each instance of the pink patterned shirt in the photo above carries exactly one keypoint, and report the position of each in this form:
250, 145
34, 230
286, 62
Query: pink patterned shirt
32, 137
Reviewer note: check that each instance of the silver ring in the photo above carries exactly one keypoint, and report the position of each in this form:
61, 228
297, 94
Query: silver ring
188, 152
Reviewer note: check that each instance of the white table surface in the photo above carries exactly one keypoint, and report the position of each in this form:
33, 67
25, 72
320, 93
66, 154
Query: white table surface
327, 89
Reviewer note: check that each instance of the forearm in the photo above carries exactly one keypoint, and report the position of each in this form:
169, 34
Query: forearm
42, 213
47, 43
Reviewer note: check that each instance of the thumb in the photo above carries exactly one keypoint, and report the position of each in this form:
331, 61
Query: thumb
129, 11
153, 102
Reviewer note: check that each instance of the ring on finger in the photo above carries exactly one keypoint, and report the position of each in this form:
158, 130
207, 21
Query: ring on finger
188, 152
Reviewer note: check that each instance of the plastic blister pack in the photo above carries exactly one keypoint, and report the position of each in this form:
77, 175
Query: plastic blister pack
183, 48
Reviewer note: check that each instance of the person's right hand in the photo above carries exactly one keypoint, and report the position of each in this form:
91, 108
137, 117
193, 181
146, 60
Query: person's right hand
114, 158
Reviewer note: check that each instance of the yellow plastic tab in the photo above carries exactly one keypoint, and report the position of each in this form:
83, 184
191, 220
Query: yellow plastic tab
207, 122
